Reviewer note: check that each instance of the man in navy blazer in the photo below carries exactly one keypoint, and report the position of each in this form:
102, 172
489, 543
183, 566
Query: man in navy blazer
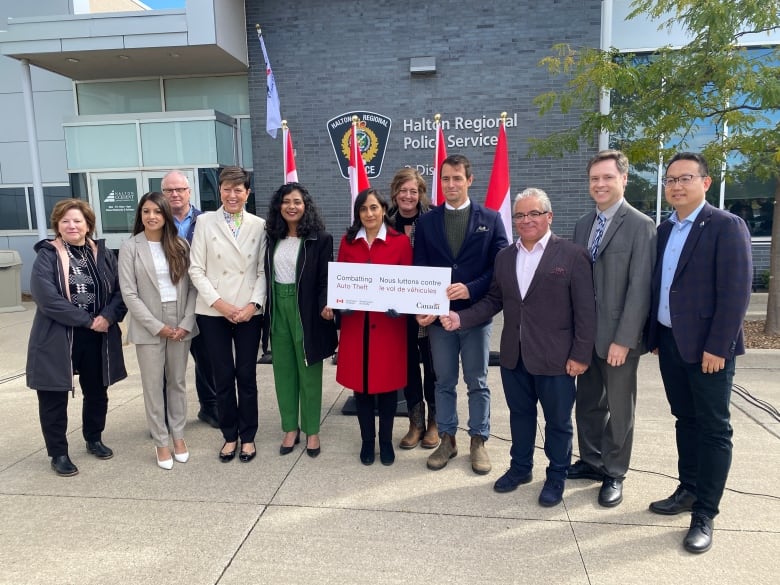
465, 237
176, 188
544, 286
700, 294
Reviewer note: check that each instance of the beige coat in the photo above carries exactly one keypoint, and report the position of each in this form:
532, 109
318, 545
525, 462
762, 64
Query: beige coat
141, 293
228, 268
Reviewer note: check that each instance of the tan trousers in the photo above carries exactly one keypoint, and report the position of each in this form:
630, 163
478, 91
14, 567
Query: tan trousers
169, 359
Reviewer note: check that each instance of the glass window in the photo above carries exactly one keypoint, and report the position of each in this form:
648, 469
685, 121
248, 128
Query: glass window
226, 144
245, 129
119, 97
109, 146
13, 209
229, 94
176, 144
51, 195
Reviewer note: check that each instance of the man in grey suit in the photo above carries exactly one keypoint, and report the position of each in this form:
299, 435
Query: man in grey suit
621, 243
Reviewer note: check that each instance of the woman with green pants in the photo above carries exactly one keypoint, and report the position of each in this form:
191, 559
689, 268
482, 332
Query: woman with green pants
303, 332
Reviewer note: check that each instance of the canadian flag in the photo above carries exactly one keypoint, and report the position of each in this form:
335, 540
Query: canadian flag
358, 179
439, 154
290, 171
499, 192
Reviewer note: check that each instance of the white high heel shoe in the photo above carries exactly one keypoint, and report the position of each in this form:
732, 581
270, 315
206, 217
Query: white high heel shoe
163, 463
181, 457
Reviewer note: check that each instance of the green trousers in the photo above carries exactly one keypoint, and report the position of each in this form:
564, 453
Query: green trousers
298, 386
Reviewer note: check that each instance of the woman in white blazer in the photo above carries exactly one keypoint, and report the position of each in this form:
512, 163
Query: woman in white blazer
160, 303
226, 266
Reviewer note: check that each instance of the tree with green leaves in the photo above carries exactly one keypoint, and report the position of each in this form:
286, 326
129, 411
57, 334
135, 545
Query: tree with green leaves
661, 102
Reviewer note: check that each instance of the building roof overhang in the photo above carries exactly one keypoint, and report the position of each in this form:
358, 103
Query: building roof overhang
133, 44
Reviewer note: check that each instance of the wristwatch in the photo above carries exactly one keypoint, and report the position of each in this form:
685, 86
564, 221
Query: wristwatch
258, 306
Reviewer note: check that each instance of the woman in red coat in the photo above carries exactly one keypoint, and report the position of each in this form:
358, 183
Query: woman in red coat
372, 345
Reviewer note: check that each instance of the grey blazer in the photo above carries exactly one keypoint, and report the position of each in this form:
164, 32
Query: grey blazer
621, 277
141, 293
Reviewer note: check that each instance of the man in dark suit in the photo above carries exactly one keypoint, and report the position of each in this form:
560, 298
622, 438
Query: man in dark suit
621, 244
463, 236
700, 294
544, 286
176, 188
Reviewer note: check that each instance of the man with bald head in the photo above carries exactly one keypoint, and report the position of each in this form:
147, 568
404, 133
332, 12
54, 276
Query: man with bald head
176, 189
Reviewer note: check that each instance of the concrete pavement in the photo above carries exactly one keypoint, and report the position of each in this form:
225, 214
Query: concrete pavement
299, 520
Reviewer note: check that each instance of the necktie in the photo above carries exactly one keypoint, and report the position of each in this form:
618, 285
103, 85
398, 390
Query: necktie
594, 247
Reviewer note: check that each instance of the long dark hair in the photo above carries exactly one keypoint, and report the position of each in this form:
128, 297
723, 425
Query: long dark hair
174, 247
310, 223
359, 202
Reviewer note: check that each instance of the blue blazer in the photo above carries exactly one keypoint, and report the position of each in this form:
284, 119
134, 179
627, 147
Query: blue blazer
473, 266
711, 287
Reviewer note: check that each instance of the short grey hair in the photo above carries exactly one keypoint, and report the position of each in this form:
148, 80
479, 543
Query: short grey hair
538, 194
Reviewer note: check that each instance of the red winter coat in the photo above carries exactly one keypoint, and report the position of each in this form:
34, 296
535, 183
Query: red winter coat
383, 346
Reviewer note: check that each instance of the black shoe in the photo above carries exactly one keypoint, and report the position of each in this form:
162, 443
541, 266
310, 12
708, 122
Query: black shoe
63, 466
510, 480
265, 358
611, 492
287, 450
99, 450
210, 418
226, 456
552, 493
386, 453
312, 451
699, 537
582, 470
247, 456
367, 453
680, 501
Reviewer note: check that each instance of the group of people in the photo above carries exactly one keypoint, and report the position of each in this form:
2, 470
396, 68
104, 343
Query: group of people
577, 316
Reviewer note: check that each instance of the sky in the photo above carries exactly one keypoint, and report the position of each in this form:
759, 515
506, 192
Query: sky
162, 4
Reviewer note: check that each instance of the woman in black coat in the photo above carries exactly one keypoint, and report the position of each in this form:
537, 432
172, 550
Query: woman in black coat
75, 286
303, 332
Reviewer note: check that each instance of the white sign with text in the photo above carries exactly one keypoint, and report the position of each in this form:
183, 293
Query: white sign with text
414, 290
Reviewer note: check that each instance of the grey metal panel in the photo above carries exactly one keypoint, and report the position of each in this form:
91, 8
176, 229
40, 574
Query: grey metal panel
93, 43
29, 46
15, 161
171, 39
12, 123
53, 161
51, 107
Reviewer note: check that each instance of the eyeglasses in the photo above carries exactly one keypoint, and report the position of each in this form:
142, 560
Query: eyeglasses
178, 190
412, 192
682, 179
530, 215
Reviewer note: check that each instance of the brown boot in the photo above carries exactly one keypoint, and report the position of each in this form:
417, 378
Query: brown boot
416, 427
431, 438
446, 451
480, 462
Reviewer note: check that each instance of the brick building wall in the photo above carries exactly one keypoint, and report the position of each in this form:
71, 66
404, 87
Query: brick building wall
338, 56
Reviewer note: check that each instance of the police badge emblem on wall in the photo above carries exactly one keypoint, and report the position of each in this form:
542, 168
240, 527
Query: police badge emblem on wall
373, 132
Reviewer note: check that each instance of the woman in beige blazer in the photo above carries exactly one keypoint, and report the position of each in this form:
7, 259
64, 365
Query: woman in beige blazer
160, 301
226, 266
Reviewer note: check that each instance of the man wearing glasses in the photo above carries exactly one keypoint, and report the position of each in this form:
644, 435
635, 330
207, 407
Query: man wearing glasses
545, 288
176, 189
621, 244
700, 293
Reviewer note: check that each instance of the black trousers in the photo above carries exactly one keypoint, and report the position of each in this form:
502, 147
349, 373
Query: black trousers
386, 404
233, 357
418, 350
53, 405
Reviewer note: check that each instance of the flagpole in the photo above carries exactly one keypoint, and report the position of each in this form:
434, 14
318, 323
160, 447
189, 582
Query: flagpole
284, 151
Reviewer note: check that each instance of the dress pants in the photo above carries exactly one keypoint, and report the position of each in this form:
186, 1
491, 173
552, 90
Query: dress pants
298, 386
386, 403
556, 395
161, 363
86, 356
204, 375
700, 403
606, 401
418, 350
233, 350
